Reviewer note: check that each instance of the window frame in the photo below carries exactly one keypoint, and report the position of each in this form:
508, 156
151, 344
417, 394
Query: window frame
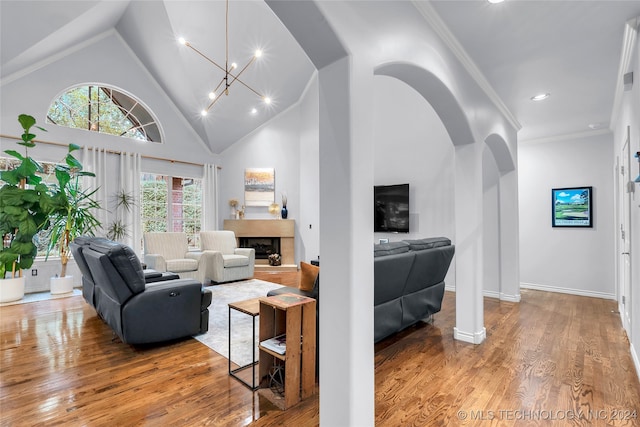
137, 102
170, 217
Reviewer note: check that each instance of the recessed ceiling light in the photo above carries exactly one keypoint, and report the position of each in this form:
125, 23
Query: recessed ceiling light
596, 126
495, 1
254, 111
540, 97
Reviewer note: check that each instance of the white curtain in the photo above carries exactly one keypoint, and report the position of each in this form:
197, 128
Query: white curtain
210, 197
130, 184
95, 160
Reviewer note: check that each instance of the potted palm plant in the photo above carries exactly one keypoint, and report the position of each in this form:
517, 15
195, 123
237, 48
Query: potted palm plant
72, 216
25, 204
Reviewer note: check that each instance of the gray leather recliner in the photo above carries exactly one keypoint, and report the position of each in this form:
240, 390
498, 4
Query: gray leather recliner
140, 312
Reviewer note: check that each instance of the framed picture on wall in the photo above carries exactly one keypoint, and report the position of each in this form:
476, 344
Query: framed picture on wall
572, 207
259, 186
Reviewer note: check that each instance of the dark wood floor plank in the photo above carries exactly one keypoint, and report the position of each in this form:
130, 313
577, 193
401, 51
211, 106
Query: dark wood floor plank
60, 365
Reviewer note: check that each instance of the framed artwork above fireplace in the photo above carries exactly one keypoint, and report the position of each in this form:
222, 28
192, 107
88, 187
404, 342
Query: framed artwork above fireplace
259, 186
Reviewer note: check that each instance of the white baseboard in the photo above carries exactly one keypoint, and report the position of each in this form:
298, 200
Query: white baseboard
510, 298
491, 294
470, 337
594, 294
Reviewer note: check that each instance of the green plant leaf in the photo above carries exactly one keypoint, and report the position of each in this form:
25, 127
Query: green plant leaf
73, 147
10, 177
22, 248
73, 162
26, 121
27, 137
34, 180
15, 154
63, 176
7, 257
26, 169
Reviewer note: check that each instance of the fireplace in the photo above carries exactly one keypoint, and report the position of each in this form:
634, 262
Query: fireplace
263, 232
264, 246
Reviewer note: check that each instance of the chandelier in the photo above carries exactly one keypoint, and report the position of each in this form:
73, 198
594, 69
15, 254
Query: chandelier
230, 75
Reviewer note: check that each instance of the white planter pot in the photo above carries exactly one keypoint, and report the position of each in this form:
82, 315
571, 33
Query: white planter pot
61, 285
12, 289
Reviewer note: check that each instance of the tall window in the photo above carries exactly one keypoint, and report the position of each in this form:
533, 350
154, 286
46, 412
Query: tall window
106, 110
172, 203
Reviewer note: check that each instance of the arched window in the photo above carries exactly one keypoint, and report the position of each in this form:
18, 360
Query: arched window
106, 110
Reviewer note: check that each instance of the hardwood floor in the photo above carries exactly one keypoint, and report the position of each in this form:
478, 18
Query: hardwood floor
557, 354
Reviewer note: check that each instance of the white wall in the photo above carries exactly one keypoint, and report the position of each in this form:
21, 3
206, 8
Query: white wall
274, 145
572, 260
37, 278
491, 225
629, 115
308, 246
411, 145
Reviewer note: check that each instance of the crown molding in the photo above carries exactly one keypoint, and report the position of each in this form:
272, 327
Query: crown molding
628, 43
438, 25
568, 136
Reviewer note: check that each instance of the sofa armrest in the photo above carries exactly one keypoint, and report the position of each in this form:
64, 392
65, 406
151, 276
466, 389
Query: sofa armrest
193, 255
248, 252
155, 262
212, 264
164, 311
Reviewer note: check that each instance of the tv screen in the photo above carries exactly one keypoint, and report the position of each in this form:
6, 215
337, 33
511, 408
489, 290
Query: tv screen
391, 208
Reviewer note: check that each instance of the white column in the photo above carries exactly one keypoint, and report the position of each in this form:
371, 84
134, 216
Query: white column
469, 263
347, 395
509, 238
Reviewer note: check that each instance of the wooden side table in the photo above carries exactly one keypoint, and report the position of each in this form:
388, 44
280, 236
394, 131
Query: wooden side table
294, 316
249, 307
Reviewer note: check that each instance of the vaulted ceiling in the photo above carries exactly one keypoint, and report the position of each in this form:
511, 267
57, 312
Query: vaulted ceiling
570, 49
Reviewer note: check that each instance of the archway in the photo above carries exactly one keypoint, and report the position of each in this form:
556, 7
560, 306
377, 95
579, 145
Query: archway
468, 195
437, 94
501, 225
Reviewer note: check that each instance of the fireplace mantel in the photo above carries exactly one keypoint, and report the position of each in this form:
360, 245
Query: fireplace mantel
282, 228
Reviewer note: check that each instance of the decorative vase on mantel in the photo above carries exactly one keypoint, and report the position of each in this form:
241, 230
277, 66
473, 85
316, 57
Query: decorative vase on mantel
284, 212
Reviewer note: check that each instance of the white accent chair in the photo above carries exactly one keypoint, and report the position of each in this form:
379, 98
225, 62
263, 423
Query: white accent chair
229, 262
170, 252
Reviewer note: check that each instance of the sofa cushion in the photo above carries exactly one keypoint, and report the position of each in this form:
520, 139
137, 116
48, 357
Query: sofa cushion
428, 243
180, 265
308, 276
235, 261
390, 248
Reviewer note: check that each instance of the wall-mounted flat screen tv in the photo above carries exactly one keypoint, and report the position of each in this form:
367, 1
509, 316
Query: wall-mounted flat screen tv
391, 208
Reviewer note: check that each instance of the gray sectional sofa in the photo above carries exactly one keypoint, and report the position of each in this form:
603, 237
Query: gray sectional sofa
408, 282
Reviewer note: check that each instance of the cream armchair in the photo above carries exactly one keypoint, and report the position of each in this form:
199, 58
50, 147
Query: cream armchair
170, 252
229, 262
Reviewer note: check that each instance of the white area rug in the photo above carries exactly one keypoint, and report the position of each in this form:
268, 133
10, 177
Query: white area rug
217, 338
